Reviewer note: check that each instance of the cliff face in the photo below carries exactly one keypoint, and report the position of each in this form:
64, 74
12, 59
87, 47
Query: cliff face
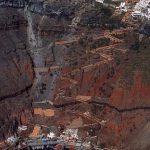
119, 83
90, 69
138, 93
131, 95
134, 80
16, 73
15, 66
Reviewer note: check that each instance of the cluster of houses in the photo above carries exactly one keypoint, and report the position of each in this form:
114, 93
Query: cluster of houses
14, 3
67, 140
142, 10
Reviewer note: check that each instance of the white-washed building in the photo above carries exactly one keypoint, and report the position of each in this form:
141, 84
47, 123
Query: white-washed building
142, 9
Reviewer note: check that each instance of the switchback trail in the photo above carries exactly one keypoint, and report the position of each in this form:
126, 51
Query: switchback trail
106, 105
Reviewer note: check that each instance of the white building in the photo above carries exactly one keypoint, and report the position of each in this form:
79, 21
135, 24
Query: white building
142, 4
51, 135
142, 9
22, 128
12, 139
136, 13
100, 1
122, 7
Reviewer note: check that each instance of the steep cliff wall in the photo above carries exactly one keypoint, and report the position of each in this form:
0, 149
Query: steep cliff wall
104, 77
121, 87
16, 73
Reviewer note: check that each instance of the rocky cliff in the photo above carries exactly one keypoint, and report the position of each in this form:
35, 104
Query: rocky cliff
88, 64
17, 73
121, 87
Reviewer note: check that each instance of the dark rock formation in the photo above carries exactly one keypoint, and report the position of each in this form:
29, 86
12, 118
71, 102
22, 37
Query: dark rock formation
16, 76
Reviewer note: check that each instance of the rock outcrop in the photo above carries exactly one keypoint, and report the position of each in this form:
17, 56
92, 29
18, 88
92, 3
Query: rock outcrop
16, 75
